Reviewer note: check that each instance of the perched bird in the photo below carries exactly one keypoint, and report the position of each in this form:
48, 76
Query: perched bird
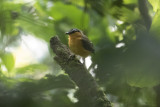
79, 44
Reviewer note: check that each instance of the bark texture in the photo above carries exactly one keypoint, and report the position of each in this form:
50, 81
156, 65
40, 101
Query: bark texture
89, 94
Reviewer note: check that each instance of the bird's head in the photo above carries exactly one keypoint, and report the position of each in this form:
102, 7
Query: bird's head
72, 31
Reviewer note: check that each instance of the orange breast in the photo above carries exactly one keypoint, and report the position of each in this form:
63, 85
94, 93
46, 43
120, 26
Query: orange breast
76, 46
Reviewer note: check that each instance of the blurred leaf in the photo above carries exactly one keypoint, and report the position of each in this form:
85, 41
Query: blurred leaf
46, 92
47, 83
130, 1
8, 14
97, 5
155, 4
125, 14
8, 60
156, 25
32, 68
149, 96
141, 62
61, 95
38, 27
73, 14
142, 78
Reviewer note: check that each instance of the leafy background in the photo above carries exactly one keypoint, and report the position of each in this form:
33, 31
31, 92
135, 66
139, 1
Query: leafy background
125, 65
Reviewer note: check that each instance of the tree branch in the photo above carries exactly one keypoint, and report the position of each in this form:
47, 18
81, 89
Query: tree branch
90, 95
144, 13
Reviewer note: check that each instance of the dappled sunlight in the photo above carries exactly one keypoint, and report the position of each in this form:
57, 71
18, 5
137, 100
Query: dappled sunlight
23, 57
119, 45
30, 51
88, 62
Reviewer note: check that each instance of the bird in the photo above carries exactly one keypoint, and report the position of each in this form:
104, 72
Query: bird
79, 43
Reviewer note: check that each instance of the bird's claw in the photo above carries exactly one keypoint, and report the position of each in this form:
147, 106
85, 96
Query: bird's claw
71, 57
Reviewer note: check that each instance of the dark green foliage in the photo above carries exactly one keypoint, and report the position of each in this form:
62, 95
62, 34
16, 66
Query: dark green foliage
38, 92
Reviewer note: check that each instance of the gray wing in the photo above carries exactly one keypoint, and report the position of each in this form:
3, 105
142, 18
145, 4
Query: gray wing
87, 44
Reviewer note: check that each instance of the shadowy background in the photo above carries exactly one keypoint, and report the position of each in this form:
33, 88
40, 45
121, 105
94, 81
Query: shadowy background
125, 34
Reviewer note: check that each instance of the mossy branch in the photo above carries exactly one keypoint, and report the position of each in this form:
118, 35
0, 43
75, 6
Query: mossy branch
90, 95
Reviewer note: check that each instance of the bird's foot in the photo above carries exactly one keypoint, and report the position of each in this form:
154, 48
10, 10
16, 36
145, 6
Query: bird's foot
71, 57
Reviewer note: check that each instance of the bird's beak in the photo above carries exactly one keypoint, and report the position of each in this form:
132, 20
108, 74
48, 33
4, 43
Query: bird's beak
67, 33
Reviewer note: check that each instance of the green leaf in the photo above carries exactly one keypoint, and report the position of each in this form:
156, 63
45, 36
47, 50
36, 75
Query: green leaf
9, 12
74, 15
8, 60
155, 4
142, 78
42, 28
125, 14
32, 68
130, 1
156, 25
